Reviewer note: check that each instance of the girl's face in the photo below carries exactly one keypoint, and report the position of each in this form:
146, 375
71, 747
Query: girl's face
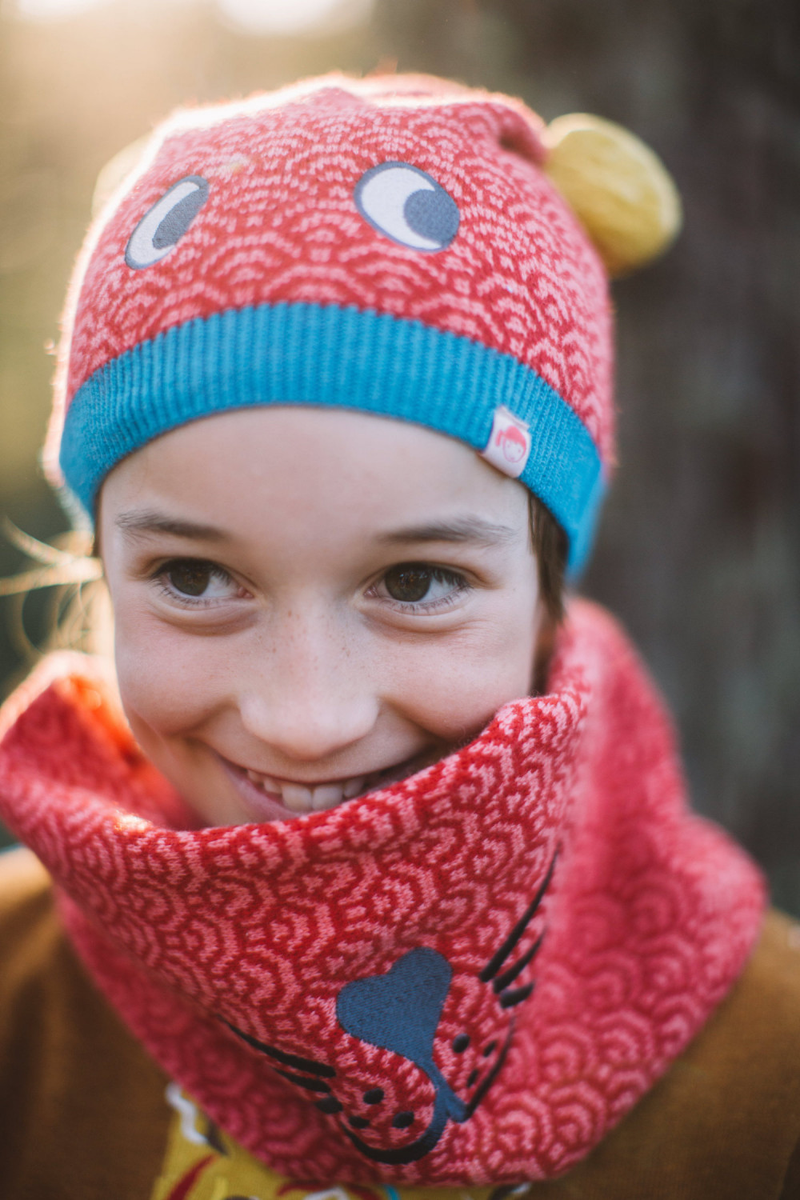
312, 603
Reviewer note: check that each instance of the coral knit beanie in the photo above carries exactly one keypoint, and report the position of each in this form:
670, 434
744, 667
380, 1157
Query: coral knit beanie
391, 246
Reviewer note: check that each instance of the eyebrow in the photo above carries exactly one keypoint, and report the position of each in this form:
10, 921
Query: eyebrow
474, 530
464, 529
149, 521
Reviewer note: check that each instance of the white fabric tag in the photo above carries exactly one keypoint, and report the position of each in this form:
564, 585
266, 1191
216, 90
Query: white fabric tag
509, 443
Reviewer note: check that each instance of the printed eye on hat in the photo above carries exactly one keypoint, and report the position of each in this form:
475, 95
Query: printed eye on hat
407, 205
163, 225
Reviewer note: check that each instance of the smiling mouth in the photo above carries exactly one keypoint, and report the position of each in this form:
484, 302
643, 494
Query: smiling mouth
301, 798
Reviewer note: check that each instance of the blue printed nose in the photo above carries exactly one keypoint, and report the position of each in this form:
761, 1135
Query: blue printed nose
400, 1011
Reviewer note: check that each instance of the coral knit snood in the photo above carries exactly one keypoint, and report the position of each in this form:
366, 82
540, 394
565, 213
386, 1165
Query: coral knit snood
467, 977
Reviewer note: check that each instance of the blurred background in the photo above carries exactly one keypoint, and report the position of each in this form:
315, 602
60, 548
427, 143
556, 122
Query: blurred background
699, 552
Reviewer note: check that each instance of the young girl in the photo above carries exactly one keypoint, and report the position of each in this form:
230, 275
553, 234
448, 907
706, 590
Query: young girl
385, 881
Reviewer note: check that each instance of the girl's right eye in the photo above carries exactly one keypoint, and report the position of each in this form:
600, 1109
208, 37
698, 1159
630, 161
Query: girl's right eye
195, 579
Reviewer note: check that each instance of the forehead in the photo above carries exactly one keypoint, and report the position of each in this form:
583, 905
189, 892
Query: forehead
309, 473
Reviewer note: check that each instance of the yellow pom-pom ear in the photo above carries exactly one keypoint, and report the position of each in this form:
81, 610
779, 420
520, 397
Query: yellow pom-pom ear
618, 188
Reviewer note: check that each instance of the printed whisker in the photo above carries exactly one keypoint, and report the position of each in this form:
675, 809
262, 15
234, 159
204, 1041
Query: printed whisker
288, 1060
491, 1075
502, 981
516, 995
311, 1085
496, 961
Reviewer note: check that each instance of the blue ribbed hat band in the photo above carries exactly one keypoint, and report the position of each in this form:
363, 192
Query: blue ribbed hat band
334, 357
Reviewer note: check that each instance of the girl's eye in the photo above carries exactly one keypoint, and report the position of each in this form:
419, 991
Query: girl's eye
195, 578
414, 583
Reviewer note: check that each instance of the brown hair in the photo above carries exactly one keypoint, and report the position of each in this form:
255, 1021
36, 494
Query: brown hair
549, 544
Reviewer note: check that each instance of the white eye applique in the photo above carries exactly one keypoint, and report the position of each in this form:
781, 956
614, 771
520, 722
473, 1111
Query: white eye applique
407, 205
163, 225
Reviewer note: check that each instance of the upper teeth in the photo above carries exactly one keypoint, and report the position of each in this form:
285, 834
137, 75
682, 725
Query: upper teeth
301, 799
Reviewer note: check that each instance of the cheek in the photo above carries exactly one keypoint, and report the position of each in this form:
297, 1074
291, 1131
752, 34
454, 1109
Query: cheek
454, 687
166, 680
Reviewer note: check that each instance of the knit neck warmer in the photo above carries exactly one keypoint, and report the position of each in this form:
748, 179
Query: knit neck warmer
467, 977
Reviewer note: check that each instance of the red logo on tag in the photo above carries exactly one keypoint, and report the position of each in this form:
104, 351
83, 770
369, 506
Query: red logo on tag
512, 443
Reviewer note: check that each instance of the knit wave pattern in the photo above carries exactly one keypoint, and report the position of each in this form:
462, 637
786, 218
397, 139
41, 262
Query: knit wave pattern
280, 225
467, 977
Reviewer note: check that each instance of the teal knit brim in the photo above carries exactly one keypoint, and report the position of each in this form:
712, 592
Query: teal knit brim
333, 357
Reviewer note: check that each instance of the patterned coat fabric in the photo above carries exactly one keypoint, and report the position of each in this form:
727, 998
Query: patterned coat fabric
468, 977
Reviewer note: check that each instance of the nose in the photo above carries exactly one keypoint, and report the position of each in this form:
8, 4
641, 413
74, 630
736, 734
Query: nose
308, 695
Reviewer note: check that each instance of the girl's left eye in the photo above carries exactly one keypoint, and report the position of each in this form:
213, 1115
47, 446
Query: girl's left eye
195, 579
420, 586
